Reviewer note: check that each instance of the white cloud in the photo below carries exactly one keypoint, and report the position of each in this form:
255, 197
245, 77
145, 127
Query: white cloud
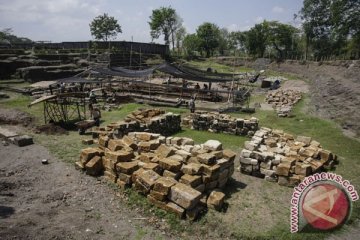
278, 9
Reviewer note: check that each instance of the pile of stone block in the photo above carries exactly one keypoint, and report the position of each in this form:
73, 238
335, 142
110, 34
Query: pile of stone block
283, 101
148, 120
283, 158
221, 123
174, 173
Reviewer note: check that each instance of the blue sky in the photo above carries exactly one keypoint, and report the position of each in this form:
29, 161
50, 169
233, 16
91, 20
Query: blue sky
68, 20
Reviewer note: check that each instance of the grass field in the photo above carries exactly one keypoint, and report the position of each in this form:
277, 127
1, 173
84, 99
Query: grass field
256, 209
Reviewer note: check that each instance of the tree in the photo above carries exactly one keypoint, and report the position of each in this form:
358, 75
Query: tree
179, 37
224, 41
104, 27
316, 16
282, 38
164, 21
191, 44
238, 41
7, 36
257, 39
209, 35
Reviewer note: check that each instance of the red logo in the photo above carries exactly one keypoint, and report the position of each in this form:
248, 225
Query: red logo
325, 206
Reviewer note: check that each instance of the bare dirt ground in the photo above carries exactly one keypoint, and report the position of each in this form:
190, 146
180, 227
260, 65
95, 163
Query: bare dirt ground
13, 116
334, 91
55, 201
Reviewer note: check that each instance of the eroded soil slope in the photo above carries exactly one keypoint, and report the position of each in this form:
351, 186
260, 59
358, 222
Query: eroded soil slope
334, 90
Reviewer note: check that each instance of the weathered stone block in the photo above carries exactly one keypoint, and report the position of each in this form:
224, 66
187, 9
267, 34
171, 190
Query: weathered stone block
213, 145
127, 167
164, 151
163, 185
170, 165
206, 158
192, 168
119, 156
94, 167
184, 195
191, 180
216, 200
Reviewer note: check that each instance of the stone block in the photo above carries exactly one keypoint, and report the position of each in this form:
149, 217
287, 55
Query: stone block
94, 167
170, 165
206, 158
184, 196
127, 167
303, 169
148, 178
136, 174
228, 154
212, 145
216, 200
173, 175
283, 169
125, 178
110, 176
192, 168
154, 167
119, 156
164, 151
163, 185
174, 208
191, 180
88, 153
158, 195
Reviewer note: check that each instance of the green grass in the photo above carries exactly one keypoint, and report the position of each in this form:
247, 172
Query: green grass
220, 68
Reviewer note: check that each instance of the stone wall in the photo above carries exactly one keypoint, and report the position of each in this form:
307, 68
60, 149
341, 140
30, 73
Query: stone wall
216, 122
149, 120
173, 173
283, 101
283, 158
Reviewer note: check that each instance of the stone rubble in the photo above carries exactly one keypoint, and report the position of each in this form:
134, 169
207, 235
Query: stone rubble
283, 158
148, 120
221, 123
283, 101
174, 173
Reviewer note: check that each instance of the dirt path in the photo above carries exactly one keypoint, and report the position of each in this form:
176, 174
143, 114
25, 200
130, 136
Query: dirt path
55, 201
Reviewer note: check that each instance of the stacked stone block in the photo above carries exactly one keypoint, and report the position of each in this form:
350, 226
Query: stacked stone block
221, 123
283, 101
172, 172
149, 120
283, 158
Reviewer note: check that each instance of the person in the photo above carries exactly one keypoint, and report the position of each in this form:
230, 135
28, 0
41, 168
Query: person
197, 86
62, 87
95, 114
192, 105
92, 97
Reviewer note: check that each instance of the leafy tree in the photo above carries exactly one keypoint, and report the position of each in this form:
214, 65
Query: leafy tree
7, 36
209, 35
317, 25
179, 37
224, 41
191, 44
164, 21
282, 38
238, 41
257, 39
104, 27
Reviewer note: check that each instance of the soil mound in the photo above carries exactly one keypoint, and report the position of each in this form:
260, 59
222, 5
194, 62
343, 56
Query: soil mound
14, 117
50, 129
